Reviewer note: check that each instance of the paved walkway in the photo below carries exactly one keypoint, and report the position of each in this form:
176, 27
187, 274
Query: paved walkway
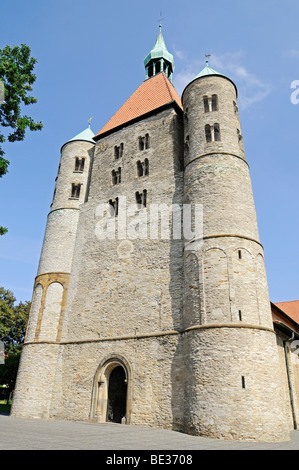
26, 434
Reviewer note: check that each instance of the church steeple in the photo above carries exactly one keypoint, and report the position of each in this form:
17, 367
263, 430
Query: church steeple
159, 59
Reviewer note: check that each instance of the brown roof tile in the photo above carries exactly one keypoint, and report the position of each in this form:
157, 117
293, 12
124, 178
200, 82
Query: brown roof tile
150, 95
291, 308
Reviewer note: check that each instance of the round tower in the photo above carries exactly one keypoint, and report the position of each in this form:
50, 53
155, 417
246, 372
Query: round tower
36, 377
232, 375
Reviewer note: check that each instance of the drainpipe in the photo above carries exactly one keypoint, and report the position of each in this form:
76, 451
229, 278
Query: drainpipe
285, 341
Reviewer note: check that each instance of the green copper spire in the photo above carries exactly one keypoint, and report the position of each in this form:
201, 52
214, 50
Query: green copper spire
159, 59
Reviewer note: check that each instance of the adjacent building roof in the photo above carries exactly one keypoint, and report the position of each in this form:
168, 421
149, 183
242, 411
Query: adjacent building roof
154, 93
291, 308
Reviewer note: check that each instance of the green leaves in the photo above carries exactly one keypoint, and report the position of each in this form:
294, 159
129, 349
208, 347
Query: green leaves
13, 321
16, 77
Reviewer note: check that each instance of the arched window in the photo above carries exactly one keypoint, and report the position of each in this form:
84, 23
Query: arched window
114, 177
139, 168
147, 141
141, 143
141, 199
217, 136
146, 167
214, 103
206, 104
113, 207
208, 133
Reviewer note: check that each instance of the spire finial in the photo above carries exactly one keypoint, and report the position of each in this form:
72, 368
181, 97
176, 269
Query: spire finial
207, 59
160, 21
89, 121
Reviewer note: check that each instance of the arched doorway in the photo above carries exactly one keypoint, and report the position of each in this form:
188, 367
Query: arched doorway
111, 396
117, 395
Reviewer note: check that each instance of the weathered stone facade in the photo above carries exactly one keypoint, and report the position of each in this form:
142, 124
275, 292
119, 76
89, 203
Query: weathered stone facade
189, 328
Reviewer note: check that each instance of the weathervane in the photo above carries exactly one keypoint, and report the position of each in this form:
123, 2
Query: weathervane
89, 120
207, 58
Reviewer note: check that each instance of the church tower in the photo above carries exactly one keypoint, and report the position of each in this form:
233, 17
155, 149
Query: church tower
141, 326
37, 370
232, 377
159, 59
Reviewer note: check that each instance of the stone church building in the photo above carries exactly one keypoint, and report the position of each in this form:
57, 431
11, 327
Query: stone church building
172, 331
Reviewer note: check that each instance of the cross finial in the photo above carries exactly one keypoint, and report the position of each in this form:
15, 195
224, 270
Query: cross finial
160, 20
207, 58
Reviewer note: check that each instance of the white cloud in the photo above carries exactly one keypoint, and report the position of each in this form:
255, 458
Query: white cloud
294, 53
252, 89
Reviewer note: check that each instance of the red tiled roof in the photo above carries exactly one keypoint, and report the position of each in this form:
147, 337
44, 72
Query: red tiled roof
153, 93
291, 308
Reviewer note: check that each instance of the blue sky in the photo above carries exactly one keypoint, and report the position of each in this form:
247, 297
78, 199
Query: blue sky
90, 60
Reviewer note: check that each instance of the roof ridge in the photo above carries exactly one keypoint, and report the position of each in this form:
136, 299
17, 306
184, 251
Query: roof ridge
168, 83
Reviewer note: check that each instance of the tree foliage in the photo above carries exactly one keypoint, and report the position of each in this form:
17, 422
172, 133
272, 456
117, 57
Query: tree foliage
13, 323
16, 79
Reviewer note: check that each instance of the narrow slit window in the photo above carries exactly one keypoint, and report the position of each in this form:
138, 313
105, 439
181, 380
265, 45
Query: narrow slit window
240, 315
144, 194
240, 254
243, 381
